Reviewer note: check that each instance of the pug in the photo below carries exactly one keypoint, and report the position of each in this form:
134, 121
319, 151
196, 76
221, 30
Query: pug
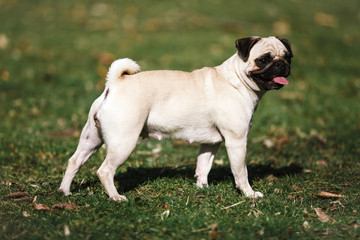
207, 106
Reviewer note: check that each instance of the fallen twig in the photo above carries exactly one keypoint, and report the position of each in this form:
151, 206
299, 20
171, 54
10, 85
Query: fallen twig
17, 195
233, 205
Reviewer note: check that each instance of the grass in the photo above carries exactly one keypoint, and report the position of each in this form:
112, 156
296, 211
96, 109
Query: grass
305, 138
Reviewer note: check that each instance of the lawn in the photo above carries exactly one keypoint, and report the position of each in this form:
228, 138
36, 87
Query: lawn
303, 148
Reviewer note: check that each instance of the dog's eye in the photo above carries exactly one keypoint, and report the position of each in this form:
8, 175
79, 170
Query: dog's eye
262, 62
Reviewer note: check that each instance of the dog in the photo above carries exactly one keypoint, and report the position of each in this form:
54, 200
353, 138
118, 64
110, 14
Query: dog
208, 106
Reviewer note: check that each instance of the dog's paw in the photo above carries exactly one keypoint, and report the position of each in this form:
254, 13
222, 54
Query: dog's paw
202, 185
255, 195
258, 195
66, 193
118, 198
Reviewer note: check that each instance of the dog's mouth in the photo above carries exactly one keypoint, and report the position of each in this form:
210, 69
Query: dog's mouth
270, 83
273, 76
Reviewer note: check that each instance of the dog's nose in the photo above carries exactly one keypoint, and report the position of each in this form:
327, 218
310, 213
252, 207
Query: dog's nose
280, 65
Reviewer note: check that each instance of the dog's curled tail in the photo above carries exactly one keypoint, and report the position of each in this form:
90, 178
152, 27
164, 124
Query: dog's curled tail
120, 67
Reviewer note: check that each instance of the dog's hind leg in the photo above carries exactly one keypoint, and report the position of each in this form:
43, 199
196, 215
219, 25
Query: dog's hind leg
118, 152
90, 141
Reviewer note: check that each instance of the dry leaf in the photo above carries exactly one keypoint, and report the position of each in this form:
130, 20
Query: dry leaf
4, 75
336, 206
333, 208
42, 155
260, 232
282, 140
326, 194
157, 149
271, 178
4, 41
67, 206
268, 143
310, 214
306, 225
328, 231
219, 161
281, 27
12, 148
105, 58
26, 214
66, 230
214, 231
165, 214
30, 180
318, 136
323, 217
325, 20
39, 206
102, 71
322, 162
257, 213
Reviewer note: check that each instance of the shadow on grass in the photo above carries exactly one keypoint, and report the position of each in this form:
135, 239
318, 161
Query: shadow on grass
135, 177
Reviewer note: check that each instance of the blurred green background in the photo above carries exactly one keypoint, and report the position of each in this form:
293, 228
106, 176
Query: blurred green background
54, 57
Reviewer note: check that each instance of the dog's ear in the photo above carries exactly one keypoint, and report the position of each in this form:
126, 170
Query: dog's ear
286, 44
244, 46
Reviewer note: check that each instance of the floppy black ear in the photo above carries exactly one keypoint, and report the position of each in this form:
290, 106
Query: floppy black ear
244, 46
286, 44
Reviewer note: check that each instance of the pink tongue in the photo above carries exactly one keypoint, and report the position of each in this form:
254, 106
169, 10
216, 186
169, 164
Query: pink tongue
281, 80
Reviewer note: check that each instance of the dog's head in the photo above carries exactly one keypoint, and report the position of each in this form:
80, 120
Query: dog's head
267, 60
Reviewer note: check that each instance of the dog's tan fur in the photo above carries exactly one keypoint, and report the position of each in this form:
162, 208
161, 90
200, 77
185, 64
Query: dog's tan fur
208, 106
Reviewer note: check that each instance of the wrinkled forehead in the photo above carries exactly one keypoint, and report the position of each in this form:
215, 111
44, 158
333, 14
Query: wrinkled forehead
270, 45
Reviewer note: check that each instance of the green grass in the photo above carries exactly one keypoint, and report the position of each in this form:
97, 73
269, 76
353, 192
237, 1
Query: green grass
53, 66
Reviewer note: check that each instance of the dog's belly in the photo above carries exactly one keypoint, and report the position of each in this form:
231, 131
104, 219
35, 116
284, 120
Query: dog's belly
198, 135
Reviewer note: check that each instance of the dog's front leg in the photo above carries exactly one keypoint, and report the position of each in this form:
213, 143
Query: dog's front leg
236, 149
204, 162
